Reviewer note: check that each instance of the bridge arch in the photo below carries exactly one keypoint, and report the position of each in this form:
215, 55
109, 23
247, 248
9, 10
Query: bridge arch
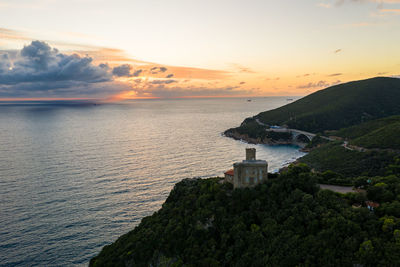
302, 138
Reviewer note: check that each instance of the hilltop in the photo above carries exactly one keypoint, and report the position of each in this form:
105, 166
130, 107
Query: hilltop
287, 221
333, 108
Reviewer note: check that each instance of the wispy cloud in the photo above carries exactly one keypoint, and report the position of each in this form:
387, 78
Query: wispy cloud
341, 2
393, 11
319, 84
337, 51
13, 35
241, 68
324, 5
335, 74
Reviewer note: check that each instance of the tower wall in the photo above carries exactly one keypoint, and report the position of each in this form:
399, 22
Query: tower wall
250, 154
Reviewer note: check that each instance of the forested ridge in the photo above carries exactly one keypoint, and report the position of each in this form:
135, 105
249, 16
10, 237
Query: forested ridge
332, 108
288, 221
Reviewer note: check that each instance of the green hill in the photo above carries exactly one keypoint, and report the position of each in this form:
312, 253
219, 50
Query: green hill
381, 133
380, 143
287, 221
339, 106
349, 163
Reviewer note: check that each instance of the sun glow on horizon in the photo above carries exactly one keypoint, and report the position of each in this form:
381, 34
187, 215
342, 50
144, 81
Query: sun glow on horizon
269, 48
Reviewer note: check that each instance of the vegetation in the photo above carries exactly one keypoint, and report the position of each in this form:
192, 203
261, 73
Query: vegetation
339, 106
317, 141
362, 129
288, 221
254, 130
349, 163
380, 133
375, 144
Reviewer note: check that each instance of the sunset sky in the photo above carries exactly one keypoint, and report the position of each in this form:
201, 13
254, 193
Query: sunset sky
101, 49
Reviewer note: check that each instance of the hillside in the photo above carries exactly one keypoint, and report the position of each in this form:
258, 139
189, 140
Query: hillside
381, 133
287, 221
380, 144
339, 106
349, 163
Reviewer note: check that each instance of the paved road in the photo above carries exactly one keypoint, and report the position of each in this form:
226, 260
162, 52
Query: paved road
338, 188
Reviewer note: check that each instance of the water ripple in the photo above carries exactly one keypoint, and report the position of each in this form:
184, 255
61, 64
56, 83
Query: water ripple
73, 180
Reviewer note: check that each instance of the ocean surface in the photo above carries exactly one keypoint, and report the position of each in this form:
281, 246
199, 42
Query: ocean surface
74, 177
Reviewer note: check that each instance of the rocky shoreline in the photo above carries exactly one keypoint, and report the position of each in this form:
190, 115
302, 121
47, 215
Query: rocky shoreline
267, 141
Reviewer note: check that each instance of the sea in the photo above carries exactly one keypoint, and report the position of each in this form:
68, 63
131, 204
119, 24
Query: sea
74, 176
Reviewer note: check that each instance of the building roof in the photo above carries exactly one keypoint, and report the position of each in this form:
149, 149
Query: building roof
230, 172
372, 204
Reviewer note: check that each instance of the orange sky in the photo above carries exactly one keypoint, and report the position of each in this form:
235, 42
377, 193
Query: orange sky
207, 49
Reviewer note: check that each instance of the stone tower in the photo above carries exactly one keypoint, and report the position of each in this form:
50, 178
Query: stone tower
250, 154
249, 172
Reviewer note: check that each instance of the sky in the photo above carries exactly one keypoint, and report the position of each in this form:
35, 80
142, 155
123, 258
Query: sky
112, 50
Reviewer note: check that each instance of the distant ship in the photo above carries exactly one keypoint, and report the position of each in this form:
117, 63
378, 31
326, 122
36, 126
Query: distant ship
289, 99
248, 100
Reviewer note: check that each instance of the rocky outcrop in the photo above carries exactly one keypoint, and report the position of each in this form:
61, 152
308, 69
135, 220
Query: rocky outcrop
245, 137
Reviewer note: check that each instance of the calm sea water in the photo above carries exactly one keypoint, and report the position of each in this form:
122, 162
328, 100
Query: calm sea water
73, 178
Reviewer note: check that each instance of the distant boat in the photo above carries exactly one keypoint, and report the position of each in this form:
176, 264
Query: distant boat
248, 100
289, 99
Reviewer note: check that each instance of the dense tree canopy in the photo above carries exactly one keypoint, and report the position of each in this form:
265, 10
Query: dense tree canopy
287, 221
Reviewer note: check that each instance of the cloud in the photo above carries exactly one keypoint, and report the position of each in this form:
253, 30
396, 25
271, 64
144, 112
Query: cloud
137, 73
314, 85
38, 70
379, 2
335, 74
162, 91
156, 70
324, 5
122, 71
38, 62
12, 34
125, 71
242, 82
318, 84
163, 81
38, 67
337, 51
393, 11
242, 69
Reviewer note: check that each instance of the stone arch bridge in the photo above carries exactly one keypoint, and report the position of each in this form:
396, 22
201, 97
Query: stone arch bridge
298, 134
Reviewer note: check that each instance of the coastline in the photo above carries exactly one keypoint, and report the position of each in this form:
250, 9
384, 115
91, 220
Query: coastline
231, 133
